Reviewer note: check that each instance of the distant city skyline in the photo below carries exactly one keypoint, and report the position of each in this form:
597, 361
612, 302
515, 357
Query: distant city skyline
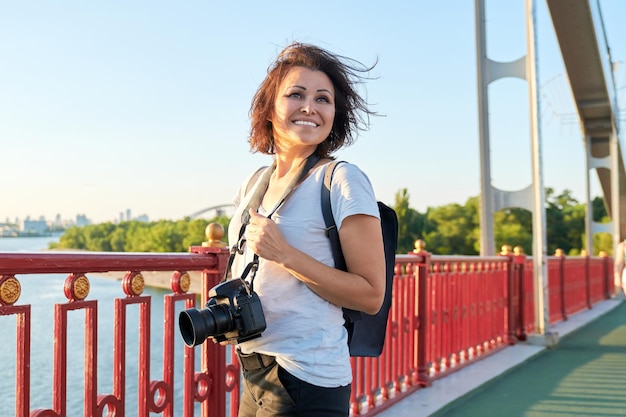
123, 215
145, 105
77, 218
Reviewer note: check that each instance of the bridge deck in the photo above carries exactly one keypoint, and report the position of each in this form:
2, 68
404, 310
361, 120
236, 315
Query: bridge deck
532, 380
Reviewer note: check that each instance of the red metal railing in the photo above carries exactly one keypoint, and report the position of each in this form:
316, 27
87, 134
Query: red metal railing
206, 387
446, 312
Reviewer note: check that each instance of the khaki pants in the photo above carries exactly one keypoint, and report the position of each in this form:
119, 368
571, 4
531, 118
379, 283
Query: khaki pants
272, 391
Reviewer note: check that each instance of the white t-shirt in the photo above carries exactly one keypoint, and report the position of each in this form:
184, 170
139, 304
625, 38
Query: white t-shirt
304, 331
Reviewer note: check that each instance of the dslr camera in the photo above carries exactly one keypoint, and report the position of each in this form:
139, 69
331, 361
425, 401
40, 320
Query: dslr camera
233, 313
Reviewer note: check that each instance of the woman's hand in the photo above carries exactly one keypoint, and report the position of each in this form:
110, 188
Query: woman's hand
264, 237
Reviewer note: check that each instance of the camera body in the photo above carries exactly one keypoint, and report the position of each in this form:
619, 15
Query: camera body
233, 313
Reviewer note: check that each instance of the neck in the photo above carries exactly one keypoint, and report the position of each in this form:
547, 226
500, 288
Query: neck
290, 164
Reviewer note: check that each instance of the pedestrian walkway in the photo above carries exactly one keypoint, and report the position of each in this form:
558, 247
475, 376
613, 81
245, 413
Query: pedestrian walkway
584, 375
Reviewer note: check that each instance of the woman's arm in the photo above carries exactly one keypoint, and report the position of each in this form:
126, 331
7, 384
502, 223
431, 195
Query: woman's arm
362, 288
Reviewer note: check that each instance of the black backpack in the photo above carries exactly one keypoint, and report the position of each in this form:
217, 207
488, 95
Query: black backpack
366, 333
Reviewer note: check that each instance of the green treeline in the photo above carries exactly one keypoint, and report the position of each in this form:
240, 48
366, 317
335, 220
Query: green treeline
454, 229
135, 236
451, 229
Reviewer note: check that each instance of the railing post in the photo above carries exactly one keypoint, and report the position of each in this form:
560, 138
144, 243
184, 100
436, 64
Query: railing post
588, 283
562, 285
510, 287
519, 261
10, 291
213, 359
179, 283
607, 274
423, 314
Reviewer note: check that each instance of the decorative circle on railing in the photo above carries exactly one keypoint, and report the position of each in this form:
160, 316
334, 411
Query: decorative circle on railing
133, 283
81, 287
111, 403
180, 282
160, 396
76, 287
10, 289
202, 382
232, 377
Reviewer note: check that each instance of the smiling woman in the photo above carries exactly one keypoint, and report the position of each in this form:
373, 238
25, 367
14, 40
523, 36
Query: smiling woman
304, 110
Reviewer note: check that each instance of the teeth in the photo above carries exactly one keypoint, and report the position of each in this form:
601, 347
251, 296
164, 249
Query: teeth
305, 123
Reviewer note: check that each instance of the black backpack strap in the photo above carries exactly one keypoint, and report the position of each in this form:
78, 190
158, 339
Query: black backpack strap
333, 233
331, 227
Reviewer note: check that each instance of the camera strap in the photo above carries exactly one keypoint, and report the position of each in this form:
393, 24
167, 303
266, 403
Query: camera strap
255, 202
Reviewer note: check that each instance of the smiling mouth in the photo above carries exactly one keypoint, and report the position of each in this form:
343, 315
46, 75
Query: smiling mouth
305, 123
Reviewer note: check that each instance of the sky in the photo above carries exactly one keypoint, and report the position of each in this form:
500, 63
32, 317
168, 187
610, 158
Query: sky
109, 106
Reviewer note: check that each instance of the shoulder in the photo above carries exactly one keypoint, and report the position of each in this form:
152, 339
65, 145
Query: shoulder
348, 172
252, 178
351, 193
248, 184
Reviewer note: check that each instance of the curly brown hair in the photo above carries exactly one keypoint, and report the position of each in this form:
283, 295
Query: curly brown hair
351, 110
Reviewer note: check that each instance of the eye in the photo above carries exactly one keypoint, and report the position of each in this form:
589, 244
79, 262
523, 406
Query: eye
323, 99
294, 95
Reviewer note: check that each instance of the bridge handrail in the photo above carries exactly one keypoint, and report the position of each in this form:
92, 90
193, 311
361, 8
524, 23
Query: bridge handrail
153, 395
65, 262
447, 312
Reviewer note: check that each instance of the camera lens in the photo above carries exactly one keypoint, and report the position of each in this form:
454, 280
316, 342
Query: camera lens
196, 325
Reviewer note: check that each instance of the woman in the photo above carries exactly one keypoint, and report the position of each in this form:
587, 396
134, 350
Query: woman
307, 106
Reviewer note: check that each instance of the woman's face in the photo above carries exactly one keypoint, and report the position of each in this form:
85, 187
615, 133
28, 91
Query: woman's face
304, 109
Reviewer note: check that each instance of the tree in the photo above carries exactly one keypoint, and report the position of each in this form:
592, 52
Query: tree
598, 209
410, 223
513, 227
72, 238
602, 242
449, 230
558, 227
135, 236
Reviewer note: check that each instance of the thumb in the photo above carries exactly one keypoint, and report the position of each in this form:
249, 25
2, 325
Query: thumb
254, 215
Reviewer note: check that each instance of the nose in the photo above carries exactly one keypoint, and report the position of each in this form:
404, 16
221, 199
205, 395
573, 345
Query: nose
308, 107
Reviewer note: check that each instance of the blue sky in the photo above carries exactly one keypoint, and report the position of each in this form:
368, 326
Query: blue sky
108, 106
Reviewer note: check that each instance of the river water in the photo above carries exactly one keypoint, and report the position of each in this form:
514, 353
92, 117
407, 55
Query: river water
42, 292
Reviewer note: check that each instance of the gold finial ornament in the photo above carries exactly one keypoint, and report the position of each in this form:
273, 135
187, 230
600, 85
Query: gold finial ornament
214, 233
10, 289
518, 250
558, 252
419, 245
505, 250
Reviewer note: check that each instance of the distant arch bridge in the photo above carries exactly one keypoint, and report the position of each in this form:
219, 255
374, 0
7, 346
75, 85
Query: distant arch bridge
219, 210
